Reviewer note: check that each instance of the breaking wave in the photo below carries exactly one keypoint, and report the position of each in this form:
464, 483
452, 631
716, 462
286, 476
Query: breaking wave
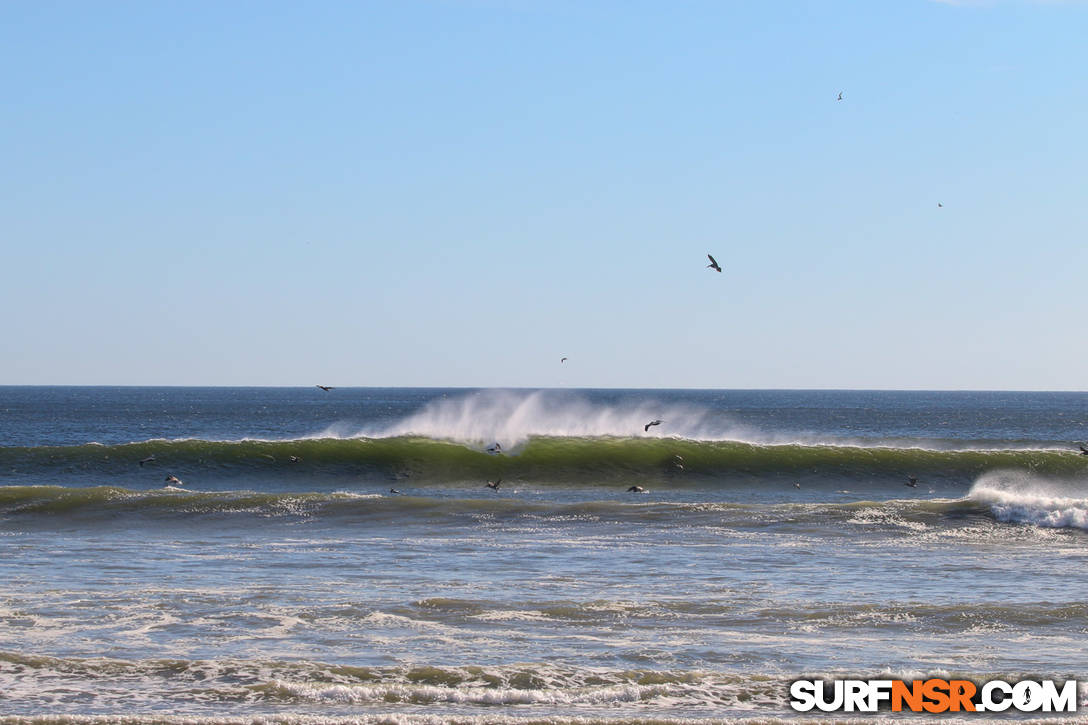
1028, 498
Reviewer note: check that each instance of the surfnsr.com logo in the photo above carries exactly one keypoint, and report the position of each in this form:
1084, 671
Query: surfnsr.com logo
933, 696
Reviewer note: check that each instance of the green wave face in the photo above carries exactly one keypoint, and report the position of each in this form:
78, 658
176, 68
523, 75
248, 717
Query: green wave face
540, 459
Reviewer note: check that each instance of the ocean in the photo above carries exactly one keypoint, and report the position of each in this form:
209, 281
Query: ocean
337, 556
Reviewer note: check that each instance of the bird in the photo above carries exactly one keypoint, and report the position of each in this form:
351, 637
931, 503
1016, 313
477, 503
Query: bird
294, 459
940, 205
326, 388
636, 489
840, 96
652, 423
395, 492
494, 484
713, 263
797, 485
562, 359
912, 482
495, 448
174, 480
149, 459
1083, 450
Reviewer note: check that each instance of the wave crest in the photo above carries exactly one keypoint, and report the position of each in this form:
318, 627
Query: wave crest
512, 418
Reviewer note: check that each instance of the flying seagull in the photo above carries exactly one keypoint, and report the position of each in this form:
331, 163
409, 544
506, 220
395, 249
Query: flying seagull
713, 263
840, 96
652, 423
326, 388
174, 480
494, 484
940, 205
149, 459
912, 482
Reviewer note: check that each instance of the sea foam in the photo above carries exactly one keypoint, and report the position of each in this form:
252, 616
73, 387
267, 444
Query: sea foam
1027, 498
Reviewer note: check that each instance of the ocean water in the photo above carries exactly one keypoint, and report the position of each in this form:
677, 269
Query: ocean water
283, 580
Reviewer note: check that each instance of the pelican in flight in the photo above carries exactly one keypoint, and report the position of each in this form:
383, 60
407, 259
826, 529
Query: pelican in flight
713, 263
494, 485
912, 482
651, 424
174, 480
326, 388
149, 459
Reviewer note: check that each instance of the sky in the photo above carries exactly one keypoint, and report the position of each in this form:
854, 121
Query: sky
461, 192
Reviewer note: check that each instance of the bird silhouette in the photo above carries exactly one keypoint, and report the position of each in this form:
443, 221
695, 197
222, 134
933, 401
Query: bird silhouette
713, 263
652, 423
326, 388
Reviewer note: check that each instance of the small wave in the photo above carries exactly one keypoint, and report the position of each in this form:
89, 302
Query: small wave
55, 505
307, 684
478, 695
395, 694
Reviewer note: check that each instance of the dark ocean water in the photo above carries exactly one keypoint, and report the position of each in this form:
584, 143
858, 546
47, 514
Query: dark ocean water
282, 577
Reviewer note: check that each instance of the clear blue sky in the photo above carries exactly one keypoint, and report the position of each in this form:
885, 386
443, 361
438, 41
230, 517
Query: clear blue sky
458, 193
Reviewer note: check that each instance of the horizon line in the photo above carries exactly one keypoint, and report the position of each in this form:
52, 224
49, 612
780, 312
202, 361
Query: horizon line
552, 387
